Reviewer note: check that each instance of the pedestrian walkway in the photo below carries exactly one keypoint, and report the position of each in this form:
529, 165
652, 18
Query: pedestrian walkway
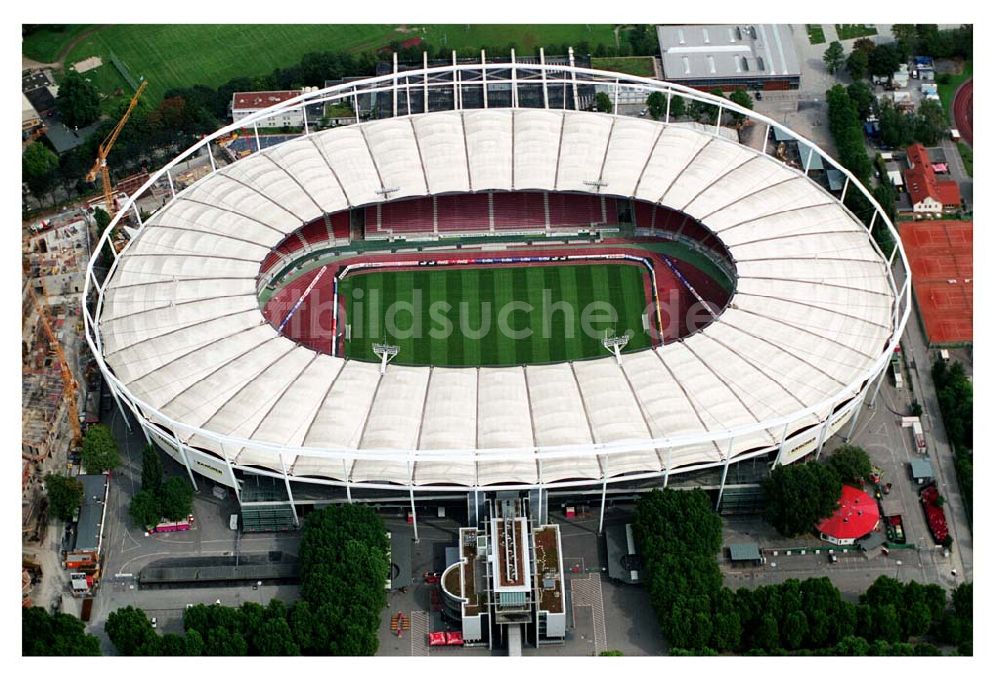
587, 592
418, 638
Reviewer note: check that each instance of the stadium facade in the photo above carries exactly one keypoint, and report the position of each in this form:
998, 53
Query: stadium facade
177, 329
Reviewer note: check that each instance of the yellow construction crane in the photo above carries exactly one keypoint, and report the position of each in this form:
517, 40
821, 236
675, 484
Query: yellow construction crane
69, 382
101, 164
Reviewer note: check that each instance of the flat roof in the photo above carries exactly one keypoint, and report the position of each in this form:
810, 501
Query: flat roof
728, 51
88, 527
510, 554
258, 100
744, 552
940, 255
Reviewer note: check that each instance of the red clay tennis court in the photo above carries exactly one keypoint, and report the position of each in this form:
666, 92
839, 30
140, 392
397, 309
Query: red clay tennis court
940, 254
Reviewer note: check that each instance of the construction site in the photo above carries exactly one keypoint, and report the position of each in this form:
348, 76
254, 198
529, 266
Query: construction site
61, 389
60, 384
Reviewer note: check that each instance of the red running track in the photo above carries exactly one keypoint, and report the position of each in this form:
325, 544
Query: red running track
962, 111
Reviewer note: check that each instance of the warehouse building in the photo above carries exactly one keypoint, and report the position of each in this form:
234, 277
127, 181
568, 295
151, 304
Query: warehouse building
730, 56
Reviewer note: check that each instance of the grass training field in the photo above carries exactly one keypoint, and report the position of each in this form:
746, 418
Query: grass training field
480, 296
948, 84
182, 55
851, 31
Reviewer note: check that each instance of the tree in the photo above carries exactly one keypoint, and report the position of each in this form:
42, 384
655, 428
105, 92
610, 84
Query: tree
100, 450
176, 496
851, 464
798, 496
130, 630
101, 218
276, 639
65, 495
931, 41
342, 567
931, 122
603, 102
221, 641
677, 107
885, 195
728, 631
78, 102
740, 98
700, 110
961, 599
57, 634
895, 128
857, 64
152, 469
918, 620
657, 103
144, 509
861, 94
767, 635
906, 39
865, 45
886, 623
795, 627
851, 646
845, 127
884, 60
38, 168
833, 57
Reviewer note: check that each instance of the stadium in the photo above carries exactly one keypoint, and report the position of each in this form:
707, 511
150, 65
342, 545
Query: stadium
754, 312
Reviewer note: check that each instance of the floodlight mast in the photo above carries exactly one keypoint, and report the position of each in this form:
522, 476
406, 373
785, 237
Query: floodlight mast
614, 344
385, 352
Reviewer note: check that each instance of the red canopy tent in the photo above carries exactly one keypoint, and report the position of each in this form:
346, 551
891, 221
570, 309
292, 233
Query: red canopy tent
856, 516
436, 638
455, 639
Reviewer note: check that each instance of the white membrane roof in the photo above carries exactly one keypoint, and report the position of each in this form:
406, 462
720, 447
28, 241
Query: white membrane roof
181, 326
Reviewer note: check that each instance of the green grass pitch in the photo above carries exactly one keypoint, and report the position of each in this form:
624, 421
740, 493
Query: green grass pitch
368, 298
181, 55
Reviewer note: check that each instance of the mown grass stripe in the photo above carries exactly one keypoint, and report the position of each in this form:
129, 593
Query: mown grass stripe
556, 338
536, 293
456, 342
524, 345
437, 331
503, 293
471, 297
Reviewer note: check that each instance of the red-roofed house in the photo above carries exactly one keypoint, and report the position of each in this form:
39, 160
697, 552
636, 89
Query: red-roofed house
856, 516
929, 195
246, 103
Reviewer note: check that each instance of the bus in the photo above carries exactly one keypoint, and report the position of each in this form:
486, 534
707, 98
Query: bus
166, 526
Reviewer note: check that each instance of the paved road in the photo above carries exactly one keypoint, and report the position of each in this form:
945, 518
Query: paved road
939, 450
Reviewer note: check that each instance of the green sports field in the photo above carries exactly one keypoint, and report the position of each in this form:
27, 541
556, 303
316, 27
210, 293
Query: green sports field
182, 55
479, 305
